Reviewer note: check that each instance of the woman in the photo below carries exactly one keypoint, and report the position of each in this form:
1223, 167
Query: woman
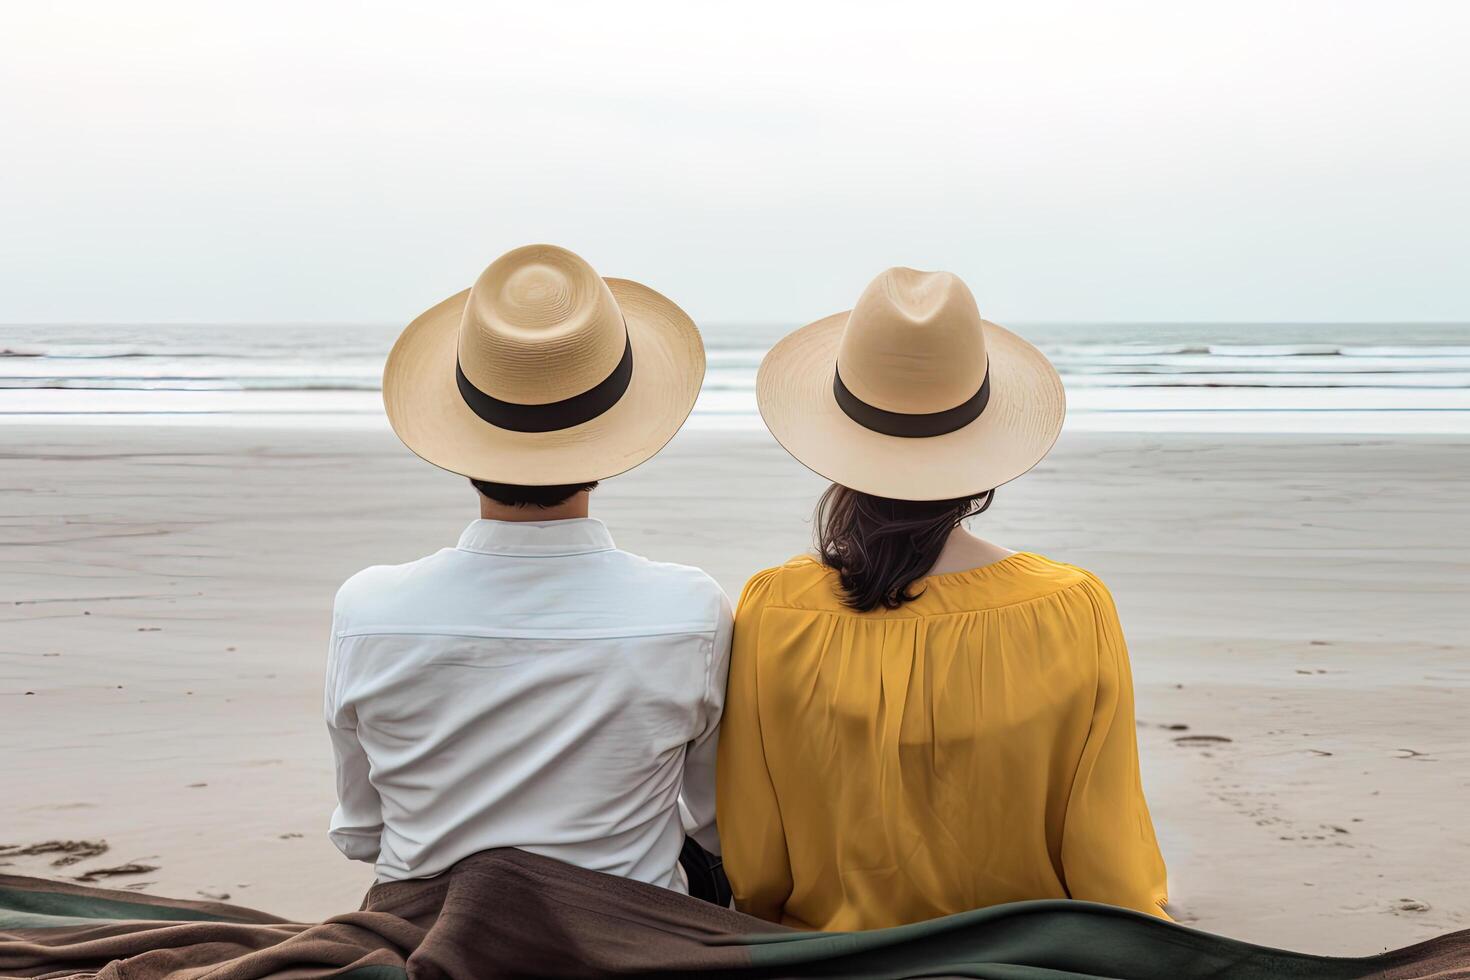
919, 722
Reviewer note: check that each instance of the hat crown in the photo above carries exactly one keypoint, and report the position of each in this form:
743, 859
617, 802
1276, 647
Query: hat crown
914, 343
540, 326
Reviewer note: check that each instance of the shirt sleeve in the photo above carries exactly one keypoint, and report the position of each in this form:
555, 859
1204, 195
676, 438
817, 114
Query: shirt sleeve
698, 795
1109, 851
755, 857
357, 823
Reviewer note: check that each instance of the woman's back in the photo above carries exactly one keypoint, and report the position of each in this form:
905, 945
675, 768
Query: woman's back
973, 746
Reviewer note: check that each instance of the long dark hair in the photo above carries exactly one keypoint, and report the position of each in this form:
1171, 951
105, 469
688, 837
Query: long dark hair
879, 546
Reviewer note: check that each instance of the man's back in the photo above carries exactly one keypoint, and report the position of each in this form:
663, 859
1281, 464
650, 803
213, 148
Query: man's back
534, 687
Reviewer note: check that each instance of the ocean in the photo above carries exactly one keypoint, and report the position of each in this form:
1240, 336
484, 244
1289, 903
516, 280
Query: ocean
1205, 377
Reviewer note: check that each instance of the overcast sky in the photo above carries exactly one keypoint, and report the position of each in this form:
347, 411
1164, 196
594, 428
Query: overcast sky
210, 161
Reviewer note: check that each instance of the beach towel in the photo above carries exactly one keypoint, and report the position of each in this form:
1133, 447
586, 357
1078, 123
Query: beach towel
506, 913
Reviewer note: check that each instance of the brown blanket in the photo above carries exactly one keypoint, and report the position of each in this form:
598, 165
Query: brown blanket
510, 914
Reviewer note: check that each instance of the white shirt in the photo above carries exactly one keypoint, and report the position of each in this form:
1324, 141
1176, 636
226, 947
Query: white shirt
536, 688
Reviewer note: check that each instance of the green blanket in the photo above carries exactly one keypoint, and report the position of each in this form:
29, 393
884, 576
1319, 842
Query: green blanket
510, 914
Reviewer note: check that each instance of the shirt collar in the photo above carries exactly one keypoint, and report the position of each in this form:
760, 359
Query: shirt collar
578, 536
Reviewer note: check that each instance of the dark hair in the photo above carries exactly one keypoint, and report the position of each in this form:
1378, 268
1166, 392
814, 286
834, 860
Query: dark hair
516, 496
879, 547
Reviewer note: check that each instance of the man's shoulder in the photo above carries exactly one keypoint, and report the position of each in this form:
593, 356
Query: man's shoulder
373, 583
670, 572
671, 581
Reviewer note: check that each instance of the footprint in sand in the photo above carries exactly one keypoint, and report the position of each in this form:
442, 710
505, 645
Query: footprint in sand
1201, 740
131, 868
71, 851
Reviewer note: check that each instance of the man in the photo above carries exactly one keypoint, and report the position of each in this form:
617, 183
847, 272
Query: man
533, 687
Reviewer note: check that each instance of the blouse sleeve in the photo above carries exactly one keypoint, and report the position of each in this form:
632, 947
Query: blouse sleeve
751, 833
1109, 852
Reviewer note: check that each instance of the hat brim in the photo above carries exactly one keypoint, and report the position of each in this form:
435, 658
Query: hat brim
1018, 427
424, 406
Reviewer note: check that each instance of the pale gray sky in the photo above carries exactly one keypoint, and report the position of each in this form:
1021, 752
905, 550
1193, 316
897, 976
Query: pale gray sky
757, 162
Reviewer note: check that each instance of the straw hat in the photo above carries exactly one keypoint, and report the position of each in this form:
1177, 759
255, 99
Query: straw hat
910, 394
543, 373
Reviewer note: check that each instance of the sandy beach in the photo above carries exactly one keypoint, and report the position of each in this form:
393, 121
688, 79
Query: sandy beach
1295, 608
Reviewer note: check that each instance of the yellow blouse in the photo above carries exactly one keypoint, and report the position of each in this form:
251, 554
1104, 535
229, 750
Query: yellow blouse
973, 747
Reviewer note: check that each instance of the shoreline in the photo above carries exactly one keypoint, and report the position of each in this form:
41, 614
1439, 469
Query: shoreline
167, 590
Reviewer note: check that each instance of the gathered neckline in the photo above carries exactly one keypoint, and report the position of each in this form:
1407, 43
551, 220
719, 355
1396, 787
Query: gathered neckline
979, 571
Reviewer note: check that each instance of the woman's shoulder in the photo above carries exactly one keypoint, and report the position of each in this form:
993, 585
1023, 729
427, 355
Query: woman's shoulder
1048, 571
800, 581
1014, 582
1023, 575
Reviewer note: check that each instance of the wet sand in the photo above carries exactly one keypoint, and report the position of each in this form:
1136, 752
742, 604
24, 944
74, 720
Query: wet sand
1295, 608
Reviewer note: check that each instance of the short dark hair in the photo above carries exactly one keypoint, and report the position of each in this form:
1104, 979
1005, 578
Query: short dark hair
512, 495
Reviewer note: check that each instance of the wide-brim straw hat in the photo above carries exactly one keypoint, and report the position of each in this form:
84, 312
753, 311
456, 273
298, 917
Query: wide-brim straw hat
543, 373
911, 394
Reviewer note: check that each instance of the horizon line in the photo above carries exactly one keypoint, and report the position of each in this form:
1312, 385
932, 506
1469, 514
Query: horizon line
745, 323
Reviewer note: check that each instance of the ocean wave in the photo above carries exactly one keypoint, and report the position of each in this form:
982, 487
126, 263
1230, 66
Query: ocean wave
90, 353
1362, 382
1426, 350
1272, 350
194, 384
1254, 350
1303, 366
1123, 349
